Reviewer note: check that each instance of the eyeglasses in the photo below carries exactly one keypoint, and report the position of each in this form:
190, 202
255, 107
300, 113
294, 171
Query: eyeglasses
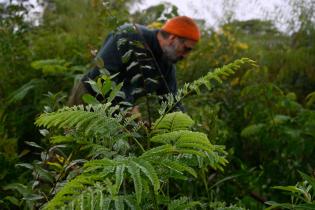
187, 49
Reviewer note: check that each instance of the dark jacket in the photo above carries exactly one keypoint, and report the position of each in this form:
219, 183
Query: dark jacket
134, 52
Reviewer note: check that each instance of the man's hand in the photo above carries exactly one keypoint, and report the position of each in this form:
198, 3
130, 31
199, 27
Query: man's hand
135, 111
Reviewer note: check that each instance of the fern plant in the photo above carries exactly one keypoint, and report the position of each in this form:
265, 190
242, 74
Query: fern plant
143, 165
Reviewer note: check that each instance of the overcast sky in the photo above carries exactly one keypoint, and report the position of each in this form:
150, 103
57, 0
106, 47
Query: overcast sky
212, 11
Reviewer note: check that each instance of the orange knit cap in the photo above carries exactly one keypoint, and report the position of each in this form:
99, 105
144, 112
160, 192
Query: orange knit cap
182, 26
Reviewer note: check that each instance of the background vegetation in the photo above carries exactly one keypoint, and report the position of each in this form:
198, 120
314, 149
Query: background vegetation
264, 116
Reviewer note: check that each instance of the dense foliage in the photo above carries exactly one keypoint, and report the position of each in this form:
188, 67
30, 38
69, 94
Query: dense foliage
240, 142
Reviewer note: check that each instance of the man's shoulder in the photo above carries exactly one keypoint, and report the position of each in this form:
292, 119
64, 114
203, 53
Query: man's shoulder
135, 31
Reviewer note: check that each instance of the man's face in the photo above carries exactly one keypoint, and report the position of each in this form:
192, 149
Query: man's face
178, 48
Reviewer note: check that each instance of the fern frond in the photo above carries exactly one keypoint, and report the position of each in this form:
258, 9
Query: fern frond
218, 75
192, 152
98, 151
185, 139
192, 143
119, 203
72, 189
150, 172
119, 174
134, 167
94, 122
131, 203
95, 164
172, 122
179, 167
106, 203
135, 175
160, 150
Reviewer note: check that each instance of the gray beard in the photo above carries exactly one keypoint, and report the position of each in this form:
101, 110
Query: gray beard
169, 53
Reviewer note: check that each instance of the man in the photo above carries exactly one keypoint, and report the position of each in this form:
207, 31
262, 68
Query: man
144, 60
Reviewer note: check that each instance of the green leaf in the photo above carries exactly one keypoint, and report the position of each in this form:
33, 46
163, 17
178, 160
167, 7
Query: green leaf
33, 197
114, 92
33, 144
137, 91
135, 78
22, 189
61, 139
185, 139
125, 103
126, 57
20, 93
94, 86
148, 80
305, 206
138, 44
88, 99
25, 165
119, 176
309, 179
146, 67
289, 188
150, 172
289, 206
252, 130
106, 204
12, 200
121, 42
130, 201
160, 150
44, 174
172, 122
135, 175
51, 66
99, 62
310, 99
56, 166
192, 152
119, 203
177, 166
105, 73
107, 85
44, 132
280, 119
133, 64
